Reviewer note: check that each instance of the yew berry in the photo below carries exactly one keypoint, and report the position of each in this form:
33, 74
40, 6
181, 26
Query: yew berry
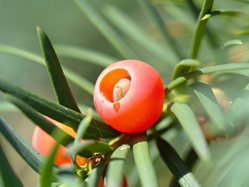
129, 96
44, 143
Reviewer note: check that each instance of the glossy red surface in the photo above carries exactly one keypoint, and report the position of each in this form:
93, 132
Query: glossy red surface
140, 107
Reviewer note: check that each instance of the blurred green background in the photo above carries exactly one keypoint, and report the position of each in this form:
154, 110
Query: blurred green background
64, 23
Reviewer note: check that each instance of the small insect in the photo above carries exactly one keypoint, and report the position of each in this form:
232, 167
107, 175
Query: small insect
92, 161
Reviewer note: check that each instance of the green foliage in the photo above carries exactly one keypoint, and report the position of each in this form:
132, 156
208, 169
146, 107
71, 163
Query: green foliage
103, 26
72, 76
193, 120
58, 112
209, 102
26, 151
114, 176
176, 165
95, 175
200, 28
184, 67
232, 42
192, 128
159, 24
220, 12
7, 173
61, 87
143, 161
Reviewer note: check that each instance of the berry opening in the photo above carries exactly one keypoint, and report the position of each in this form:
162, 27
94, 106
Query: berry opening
121, 88
110, 84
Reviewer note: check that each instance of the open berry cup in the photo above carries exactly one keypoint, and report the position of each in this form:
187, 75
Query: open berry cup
129, 96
